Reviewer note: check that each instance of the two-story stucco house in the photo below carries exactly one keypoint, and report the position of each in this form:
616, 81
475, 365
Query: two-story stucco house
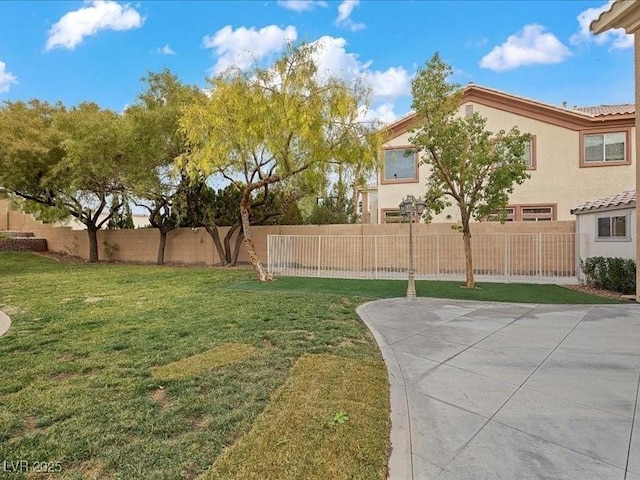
575, 155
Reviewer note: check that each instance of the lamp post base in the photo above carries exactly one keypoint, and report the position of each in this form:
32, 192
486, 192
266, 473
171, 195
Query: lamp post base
411, 287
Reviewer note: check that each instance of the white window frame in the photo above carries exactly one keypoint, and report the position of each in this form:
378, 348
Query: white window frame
612, 238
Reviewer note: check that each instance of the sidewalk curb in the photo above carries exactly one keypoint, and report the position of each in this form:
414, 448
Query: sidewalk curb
400, 460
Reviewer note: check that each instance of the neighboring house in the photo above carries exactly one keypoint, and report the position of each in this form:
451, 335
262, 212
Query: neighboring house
576, 154
607, 227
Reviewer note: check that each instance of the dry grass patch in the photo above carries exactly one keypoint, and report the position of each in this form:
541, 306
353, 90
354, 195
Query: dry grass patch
205, 361
299, 434
159, 396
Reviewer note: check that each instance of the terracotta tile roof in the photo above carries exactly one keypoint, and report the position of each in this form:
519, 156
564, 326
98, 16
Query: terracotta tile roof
623, 199
600, 110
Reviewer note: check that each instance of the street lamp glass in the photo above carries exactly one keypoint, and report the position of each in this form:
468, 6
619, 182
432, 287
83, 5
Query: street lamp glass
420, 206
405, 207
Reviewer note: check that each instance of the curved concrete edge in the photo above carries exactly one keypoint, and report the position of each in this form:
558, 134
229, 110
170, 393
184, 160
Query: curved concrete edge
5, 323
400, 460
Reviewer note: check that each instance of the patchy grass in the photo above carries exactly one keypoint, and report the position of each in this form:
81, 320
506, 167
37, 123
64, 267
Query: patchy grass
77, 384
204, 362
496, 292
299, 433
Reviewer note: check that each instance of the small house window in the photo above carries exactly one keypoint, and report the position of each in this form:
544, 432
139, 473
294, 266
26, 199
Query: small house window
612, 228
468, 110
392, 216
527, 213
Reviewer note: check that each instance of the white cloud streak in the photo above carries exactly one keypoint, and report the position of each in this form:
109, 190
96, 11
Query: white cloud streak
344, 19
382, 113
75, 26
530, 46
6, 78
243, 47
617, 38
301, 5
166, 50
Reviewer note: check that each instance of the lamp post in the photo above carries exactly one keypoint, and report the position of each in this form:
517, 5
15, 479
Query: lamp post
409, 207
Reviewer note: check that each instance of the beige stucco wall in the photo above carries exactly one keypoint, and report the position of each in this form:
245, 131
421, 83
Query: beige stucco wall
4, 210
557, 179
194, 246
590, 246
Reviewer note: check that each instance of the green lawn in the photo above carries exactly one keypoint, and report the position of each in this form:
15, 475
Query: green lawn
138, 372
497, 292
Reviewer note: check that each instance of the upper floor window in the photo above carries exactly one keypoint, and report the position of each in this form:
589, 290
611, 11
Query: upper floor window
605, 148
400, 165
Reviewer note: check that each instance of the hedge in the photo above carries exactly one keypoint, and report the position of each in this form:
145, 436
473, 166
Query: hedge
611, 273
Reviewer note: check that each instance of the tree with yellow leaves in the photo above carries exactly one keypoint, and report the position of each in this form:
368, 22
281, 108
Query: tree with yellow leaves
287, 124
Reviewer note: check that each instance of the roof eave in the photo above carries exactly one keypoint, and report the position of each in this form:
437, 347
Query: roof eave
622, 14
608, 208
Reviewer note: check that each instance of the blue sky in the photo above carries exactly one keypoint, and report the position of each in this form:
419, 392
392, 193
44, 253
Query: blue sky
98, 50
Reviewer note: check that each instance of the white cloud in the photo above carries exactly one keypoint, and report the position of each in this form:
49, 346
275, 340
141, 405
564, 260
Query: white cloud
391, 83
73, 27
301, 5
332, 59
166, 50
617, 37
344, 16
6, 78
244, 46
382, 113
531, 45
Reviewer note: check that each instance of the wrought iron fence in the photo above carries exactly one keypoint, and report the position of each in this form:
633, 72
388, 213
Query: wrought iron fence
523, 257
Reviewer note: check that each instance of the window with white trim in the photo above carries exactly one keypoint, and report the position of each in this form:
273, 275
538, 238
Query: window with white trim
528, 213
605, 147
392, 216
614, 227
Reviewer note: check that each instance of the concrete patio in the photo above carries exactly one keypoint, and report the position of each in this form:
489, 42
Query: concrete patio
510, 391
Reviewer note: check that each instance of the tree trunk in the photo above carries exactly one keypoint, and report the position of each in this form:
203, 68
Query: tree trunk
236, 250
466, 235
259, 269
213, 232
227, 243
162, 245
92, 230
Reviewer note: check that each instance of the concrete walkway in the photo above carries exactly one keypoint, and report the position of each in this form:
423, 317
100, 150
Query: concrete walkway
5, 323
484, 391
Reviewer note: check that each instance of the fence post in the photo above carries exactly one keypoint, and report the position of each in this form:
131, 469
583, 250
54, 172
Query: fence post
319, 239
438, 256
375, 257
269, 254
506, 256
539, 255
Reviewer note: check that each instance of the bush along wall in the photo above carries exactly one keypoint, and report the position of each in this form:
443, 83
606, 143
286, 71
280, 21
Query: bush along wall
611, 273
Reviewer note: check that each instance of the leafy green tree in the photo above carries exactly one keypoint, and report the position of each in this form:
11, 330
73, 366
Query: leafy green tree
280, 125
157, 143
209, 208
123, 217
65, 162
470, 166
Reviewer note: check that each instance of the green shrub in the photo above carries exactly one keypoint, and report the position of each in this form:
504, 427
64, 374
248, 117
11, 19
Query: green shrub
615, 274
